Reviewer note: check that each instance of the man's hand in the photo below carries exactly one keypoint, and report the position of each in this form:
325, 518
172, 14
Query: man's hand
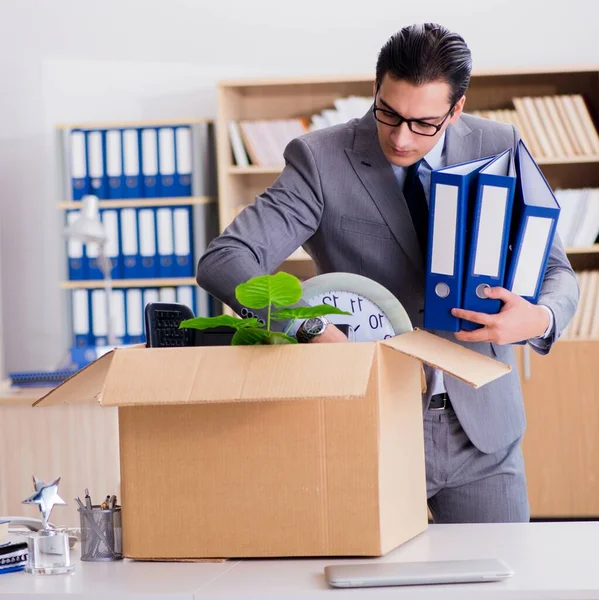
330, 335
518, 320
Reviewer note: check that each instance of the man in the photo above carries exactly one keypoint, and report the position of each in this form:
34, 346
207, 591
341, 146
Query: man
355, 196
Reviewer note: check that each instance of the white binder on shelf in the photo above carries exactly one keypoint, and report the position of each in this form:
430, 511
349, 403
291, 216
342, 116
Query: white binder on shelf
149, 162
166, 153
166, 250
99, 318
95, 156
114, 164
132, 163
147, 243
134, 320
80, 313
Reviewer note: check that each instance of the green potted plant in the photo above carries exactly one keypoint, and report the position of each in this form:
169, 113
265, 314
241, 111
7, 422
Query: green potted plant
280, 292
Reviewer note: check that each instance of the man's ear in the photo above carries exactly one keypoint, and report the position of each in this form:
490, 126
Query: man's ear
458, 109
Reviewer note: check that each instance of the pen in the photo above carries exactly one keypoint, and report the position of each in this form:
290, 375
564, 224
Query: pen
112, 502
88, 500
104, 505
81, 505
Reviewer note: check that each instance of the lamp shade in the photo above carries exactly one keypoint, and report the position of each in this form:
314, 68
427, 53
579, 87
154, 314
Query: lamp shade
88, 228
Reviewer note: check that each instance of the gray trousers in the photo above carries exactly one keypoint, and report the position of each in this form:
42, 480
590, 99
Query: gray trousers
465, 485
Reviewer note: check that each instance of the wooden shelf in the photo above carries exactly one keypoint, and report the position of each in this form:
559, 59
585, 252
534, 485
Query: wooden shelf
126, 124
144, 202
129, 283
255, 170
573, 160
584, 250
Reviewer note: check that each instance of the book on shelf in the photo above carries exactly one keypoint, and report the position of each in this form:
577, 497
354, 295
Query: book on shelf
557, 127
585, 323
262, 142
578, 224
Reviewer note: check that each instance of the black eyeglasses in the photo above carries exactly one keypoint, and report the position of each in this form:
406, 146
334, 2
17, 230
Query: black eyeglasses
393, 119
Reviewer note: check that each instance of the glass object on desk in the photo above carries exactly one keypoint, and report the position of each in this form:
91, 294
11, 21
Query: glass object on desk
48, 550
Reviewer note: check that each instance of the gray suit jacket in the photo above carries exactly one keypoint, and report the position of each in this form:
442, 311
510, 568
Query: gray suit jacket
338, 198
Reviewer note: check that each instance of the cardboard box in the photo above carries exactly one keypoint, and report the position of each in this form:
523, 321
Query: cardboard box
256, 451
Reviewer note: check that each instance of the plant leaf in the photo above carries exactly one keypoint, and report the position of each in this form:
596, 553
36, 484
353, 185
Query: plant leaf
276, 338
220, 321
248, 336
307, 312
281, 289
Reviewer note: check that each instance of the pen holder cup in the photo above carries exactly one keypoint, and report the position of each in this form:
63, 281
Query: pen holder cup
101, 534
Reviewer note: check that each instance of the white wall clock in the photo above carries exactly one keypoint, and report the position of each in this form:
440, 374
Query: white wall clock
376, 313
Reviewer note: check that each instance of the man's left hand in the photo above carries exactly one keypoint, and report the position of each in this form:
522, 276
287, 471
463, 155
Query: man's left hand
517, 320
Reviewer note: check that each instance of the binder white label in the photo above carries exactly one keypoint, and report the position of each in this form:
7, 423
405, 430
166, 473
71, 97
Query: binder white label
147, 232
111, 223
185, 296
149, 154
135, 324
445, 221
150, 296
166, 142
117, 312
99, 314
490, 231
80, 312
78, 168
532, 251
182, 241
164, 216
96, 166
74, 246
131, 152
183, 137
113, 153
129, 231
167, 294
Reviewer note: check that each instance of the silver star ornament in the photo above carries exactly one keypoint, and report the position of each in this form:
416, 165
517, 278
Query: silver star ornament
46, 496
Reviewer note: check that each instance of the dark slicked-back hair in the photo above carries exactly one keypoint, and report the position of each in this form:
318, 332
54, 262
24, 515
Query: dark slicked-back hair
427, 52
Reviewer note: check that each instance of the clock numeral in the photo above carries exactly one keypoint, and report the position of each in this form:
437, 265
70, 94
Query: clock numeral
375, 321
357, 302
330, 300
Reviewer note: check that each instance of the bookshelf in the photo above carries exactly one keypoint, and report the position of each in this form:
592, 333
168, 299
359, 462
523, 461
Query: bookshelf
557, 490
156, 194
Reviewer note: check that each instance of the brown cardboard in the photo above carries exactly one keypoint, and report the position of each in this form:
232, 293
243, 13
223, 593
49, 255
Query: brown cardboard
302, 450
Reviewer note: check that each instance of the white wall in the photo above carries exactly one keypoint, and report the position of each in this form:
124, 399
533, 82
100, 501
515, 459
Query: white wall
82, 60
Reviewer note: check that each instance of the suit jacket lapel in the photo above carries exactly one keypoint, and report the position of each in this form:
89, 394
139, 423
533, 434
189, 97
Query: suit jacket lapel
378, 178
462, 143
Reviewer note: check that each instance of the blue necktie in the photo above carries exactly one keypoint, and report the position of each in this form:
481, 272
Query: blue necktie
413, 191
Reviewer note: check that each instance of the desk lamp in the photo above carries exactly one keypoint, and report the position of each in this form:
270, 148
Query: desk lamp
89, 229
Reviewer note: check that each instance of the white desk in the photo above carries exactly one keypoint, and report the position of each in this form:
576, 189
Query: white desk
551, 561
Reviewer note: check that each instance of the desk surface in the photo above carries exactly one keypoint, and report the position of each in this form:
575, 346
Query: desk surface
24, 395
550, 560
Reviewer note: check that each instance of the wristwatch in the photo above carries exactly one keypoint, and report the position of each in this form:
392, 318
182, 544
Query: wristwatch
311, 328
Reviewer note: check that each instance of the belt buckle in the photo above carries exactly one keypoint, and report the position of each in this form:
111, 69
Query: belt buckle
444, 404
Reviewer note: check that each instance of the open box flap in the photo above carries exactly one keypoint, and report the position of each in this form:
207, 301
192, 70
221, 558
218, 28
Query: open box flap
85, 386
467, 365
220, 374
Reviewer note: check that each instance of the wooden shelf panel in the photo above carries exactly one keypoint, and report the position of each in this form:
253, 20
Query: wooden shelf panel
255, 170
144, 202
584, 250
129, 283
125, 124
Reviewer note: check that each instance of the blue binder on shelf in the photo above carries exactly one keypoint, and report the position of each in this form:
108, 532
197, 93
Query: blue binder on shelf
490, 234
96, 158
166, 250
184, 161
114, 164
149, 162
130, 243
132, 163
77, 259
534, 222
452, 193
166, 153
183, 264
78, 164
148, 243
81, 316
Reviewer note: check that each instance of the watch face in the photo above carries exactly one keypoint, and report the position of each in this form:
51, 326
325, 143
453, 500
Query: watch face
375, 313
313, 326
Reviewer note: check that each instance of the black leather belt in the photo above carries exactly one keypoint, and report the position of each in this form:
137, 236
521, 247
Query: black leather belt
439, 402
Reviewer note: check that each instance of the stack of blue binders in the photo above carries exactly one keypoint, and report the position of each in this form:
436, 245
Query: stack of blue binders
492, 223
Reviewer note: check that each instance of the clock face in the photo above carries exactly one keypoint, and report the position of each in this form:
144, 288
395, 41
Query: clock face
375, 313
368, 320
